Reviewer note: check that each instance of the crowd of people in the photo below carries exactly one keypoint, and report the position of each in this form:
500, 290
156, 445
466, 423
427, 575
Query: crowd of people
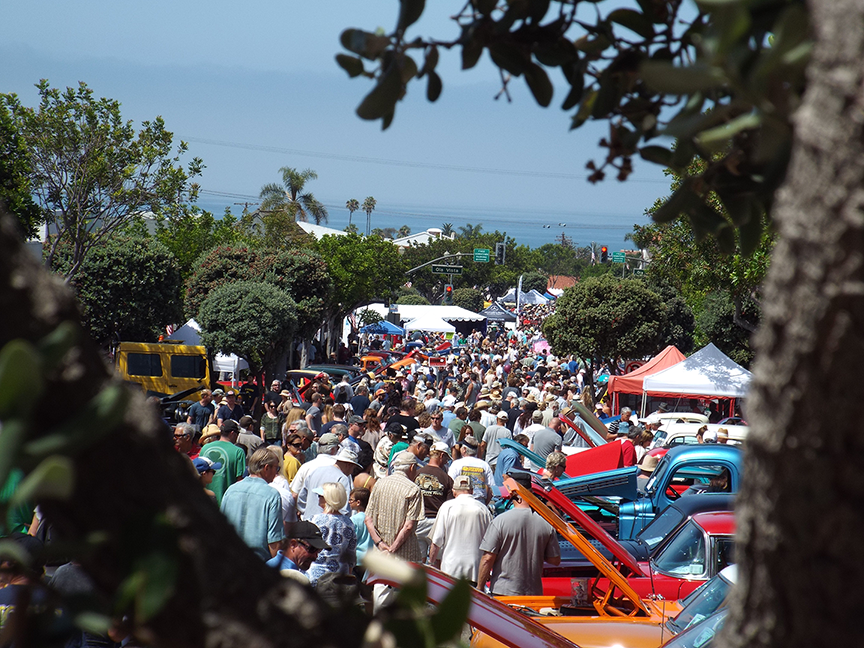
408, 463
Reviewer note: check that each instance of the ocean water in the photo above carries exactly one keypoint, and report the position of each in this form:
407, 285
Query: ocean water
532, 229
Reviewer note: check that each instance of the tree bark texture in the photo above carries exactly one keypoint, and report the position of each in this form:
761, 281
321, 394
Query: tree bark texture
136, 491
801, 509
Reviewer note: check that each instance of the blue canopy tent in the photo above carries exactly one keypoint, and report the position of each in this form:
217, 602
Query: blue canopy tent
382, 328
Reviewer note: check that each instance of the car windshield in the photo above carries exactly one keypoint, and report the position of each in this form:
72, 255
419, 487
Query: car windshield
660, 527
700, 635
705, 602
684, 555
658, 475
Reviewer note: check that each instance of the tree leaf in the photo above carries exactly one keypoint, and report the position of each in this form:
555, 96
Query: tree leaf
750, 233
676, 205
408, 67
471, 51
509, 57
351, 64
575, 94
21, 381
430, 62
667, 78
585, 109
657, 154
538, 82
452, 613
717, 138
382, 99
53, 478
369, 46
633, 20
433, 86
409, 12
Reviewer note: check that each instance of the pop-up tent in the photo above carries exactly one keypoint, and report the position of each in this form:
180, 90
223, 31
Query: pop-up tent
495, 312
382, 327
631, 383
534, 297
430, 324
190, 333
708, 373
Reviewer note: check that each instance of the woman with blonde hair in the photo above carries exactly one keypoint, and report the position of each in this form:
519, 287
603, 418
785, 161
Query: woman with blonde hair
337, 530
294, 414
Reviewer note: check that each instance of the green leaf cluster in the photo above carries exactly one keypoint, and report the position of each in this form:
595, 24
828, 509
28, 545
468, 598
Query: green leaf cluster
606, 318
723, 82
15, 170
90, 171
252, 319
129, 288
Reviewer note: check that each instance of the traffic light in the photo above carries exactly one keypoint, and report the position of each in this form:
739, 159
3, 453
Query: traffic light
604, 254
448, 294
500, 253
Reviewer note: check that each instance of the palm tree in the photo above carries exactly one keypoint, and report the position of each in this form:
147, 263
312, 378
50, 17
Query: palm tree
470, 231
352, 206
369, 207
447, 229
404, 231
290, 199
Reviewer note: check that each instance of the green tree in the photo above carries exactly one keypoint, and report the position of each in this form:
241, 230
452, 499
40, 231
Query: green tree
716, 323
468, 298
413, 300
303, 275
369, 206
351, 205
193, 232
534, 281
368, 316
447, 229
288, 200
680, 321
218, 267
470, 231
404, 231
129, 288
90, 172
604, 318
362, 269
15, 171
253, 319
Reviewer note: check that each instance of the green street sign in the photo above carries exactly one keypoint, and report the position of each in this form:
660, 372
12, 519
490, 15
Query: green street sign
481, 255
447, 269
618, 257
638, 273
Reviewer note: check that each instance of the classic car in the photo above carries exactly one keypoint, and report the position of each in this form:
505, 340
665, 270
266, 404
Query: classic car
711, 466
696, 550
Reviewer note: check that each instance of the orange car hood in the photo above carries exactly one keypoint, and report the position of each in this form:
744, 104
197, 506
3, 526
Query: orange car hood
592, 632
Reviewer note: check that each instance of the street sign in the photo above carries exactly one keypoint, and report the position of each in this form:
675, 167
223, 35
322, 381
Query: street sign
447, 269
638, 273
618, 257
481, 255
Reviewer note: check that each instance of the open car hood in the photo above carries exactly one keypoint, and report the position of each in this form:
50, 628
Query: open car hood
487, 614
547, 490
582, 544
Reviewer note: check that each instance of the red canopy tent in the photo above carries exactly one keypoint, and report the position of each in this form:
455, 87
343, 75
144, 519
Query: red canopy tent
631, 383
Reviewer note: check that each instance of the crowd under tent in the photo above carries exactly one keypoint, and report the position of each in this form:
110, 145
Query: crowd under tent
632, 382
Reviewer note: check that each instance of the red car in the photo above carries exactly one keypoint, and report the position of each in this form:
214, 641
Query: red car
696, 550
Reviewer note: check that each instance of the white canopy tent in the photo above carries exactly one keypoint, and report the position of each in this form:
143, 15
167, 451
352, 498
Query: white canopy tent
190, 333
534, 297
707, 373
430, 324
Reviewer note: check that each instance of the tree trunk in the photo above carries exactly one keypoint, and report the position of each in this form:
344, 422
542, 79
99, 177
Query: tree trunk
800, 513
138, 495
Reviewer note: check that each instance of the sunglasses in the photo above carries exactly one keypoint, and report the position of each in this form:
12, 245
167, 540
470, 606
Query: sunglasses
181, 436
296, 445
310, 548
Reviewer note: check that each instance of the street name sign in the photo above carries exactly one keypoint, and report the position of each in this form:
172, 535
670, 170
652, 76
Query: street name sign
447, 269
618, 257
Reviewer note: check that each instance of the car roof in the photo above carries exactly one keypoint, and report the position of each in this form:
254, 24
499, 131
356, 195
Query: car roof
711, 451
716, 522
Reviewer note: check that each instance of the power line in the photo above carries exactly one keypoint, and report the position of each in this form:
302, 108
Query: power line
401, 163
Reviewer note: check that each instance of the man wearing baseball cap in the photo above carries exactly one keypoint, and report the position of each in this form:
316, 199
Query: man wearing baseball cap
300, 548
338, 473
436, 486
328, 445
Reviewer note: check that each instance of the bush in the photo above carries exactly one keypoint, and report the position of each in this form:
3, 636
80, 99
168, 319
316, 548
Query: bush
468, 298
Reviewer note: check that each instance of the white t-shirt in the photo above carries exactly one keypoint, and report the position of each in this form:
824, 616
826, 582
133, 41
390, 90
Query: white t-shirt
479, 472
459, 528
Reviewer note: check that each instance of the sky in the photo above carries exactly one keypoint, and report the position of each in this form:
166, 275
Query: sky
254, 86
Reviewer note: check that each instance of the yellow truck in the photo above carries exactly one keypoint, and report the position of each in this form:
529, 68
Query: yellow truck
163, 368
